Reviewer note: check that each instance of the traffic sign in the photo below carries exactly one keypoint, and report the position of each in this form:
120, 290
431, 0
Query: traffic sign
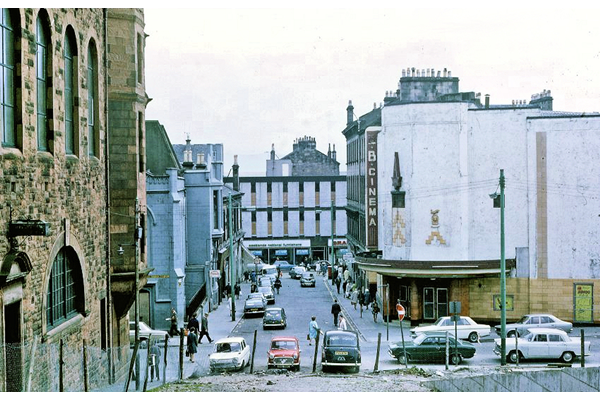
401, 311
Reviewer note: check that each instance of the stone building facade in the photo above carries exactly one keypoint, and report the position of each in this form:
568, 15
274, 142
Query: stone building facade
298, 207
436, 161
55, 289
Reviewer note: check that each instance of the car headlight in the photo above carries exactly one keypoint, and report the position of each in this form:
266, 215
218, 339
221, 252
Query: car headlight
295, 357
271, 356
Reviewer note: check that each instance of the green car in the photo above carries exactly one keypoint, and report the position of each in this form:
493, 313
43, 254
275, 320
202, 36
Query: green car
431, 347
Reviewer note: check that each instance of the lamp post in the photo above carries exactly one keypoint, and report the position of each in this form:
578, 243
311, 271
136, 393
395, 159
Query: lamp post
502, 272
332, 259
136, 308
232, 280
231, 270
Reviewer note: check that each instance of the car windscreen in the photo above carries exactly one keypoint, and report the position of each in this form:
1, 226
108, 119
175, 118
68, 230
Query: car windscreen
283, 345
341, 340
273, 313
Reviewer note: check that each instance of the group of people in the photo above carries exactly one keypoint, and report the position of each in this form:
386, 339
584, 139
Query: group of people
196, 331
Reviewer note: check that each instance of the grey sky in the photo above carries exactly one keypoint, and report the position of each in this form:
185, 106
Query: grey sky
248, 78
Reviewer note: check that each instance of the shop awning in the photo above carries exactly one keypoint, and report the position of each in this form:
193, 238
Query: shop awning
433, 269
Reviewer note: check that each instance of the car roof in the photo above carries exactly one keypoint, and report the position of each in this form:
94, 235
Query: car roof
546, 330
275, 308
236, 339
539, 315
340, 333
284, 338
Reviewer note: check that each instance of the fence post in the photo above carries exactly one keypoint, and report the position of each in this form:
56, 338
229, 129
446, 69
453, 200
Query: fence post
85, 370
149, 345
131, 364
253, 350
60, 367
181, 354
377, 355
316, 350
582, 349
447, 349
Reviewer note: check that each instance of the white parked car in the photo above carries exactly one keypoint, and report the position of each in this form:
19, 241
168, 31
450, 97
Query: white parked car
145, 333
232, 353
543, 343
466, 328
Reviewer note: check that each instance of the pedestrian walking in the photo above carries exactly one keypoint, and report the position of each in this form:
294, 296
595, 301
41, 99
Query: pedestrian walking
342, 326
361, 300
375, 310
277, 284
246, 276
237, 289
335, 310
204, 329
193, 322
338, 281
154, 361
367, 299
227, 290
354, 297
313, 328
192, 344
173, 319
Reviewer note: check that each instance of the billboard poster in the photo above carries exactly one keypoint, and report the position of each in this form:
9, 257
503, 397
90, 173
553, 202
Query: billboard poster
583, 302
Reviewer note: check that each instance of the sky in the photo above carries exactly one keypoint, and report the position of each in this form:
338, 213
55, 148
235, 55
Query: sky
250, 78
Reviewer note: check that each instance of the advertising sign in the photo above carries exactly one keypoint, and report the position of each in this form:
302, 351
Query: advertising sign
371, 211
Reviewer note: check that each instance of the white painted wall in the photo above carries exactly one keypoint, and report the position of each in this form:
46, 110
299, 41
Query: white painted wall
450, 159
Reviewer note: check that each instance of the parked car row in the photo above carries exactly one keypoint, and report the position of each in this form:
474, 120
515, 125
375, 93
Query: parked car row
341, 349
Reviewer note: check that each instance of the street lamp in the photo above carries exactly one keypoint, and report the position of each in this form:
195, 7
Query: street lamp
332, 260
502, 272
136, 236
231, 269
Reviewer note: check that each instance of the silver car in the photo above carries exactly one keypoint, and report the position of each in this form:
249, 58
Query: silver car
268, 293
307, 279
521, 327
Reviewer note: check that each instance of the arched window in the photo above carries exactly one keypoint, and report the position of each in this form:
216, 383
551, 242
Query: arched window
65, 289
8, 24
70, 93
93, 104
42, 59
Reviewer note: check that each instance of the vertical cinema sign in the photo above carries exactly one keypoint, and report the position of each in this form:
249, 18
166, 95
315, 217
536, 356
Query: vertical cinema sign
371, 187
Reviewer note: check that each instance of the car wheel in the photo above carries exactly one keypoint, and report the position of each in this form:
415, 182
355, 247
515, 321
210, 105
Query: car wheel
512, 334
402, 359
455, 359
473, 337
567, 357
513, 357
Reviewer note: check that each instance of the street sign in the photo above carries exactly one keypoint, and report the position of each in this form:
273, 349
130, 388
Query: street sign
401, 311
257, 261
455, 307
215, 273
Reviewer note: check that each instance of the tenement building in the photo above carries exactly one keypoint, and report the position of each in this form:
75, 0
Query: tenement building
297, 211
56, 298
432, 232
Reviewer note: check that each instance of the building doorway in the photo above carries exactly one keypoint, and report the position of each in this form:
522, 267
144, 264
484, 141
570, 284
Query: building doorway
14, 347
435, 303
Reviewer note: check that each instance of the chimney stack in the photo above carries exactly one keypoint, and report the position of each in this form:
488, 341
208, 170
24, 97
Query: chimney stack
349, 113
236, 174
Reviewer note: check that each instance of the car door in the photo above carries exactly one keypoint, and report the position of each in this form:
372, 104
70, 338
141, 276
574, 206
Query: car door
429, 349
556, 346
245, 352
538, 346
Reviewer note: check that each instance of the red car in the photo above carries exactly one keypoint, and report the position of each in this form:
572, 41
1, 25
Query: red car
284, 353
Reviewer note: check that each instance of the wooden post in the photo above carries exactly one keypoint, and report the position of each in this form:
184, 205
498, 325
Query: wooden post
61, 387
165, 359
181, 354
316, 350
377, 354
149, 345
85, 370
582, 349
131, 364
253, 351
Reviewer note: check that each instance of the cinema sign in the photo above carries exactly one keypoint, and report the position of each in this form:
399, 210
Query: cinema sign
371, 187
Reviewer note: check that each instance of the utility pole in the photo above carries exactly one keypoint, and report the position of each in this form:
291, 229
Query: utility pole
231, 269
502, 276
332, 260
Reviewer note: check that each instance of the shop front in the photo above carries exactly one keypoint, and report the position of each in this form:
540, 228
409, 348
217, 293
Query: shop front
424, 288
